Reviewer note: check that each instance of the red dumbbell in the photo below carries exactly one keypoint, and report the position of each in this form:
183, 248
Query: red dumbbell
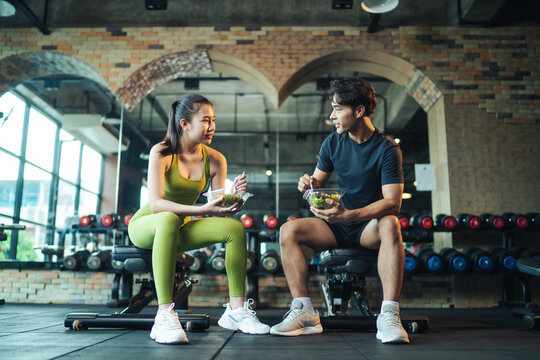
88, 220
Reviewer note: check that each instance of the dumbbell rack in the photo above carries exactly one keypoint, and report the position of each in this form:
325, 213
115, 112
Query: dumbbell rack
507, 239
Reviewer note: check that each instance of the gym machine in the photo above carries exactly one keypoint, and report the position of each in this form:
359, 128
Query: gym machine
531, 312
136, 260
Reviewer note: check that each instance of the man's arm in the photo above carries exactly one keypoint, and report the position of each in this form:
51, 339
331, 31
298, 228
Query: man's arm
390, 204
319, 179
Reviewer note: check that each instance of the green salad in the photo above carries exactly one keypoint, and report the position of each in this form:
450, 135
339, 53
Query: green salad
318, 201
230, 199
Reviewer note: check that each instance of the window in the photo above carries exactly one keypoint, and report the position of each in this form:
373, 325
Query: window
36, 190
78, 174
69, 159
90, 169
8, 183
65, 205
87, 203
30, 242
40, 141
6, 244
11, 124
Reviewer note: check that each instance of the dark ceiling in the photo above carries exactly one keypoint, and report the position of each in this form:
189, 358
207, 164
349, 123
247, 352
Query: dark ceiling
120, 13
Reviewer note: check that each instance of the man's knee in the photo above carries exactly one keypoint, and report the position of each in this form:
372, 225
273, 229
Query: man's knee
288, 233
389, 228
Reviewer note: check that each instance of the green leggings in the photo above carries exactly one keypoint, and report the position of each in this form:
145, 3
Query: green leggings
161, 232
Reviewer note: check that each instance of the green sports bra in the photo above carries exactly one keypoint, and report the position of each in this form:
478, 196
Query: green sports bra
180, 189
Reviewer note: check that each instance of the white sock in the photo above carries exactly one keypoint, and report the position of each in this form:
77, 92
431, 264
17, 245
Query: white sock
388, 305
306, 304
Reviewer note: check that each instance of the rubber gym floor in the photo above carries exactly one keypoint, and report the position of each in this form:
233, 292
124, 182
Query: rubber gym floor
29, 331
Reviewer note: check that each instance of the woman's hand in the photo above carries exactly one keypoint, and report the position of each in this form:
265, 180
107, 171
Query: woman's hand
335, 214
212, 208
240, 183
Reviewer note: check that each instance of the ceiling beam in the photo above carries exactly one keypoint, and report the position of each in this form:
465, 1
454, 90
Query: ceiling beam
159, 110
31, 16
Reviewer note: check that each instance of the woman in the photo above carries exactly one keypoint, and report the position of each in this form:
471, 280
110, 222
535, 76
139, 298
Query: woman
179, 169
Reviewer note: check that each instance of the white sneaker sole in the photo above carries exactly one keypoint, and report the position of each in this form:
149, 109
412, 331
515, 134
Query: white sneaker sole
229, 325
154, 337
310, 330
394, 340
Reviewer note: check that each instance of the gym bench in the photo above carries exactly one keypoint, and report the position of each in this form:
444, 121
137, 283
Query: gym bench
138, 261
531, 312
345, 271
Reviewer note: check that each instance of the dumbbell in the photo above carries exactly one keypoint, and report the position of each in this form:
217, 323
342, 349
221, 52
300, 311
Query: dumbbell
109, 220
292, 217
98, 260
445, 222
468, 222
199, 259
127, 219
247, 221
270, 261
516, 221
76, 260
251, 261
88, 220
534, 220
506, 260
482, 261
270, 221
411, 264
217, 261
421, 222
431, 261
457, 262
492, 222
403, 221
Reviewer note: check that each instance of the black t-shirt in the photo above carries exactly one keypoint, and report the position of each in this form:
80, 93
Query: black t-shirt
361, 169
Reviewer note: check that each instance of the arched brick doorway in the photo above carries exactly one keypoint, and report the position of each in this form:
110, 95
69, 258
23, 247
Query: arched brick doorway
18, 68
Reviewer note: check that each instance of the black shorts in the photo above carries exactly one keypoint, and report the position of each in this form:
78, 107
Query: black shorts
348, 234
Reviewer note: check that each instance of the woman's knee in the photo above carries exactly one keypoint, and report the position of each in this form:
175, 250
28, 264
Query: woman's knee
167, 220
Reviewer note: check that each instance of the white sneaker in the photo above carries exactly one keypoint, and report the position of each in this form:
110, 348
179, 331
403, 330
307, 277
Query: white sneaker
298, 321
243, 319
167, 328
389, 327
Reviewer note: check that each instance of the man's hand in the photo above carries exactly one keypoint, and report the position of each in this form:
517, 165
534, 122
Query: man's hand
306, 182
335, 214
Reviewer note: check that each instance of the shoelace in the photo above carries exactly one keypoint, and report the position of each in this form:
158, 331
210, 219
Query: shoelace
391, 318
249, 310
292, 314
170, 318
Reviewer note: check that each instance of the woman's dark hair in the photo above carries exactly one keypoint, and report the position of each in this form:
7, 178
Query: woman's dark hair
181, 109
354, 92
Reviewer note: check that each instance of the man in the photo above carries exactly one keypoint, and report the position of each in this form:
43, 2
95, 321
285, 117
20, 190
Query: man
368, 166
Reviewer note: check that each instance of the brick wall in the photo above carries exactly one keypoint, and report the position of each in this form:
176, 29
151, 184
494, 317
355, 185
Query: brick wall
93, 288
